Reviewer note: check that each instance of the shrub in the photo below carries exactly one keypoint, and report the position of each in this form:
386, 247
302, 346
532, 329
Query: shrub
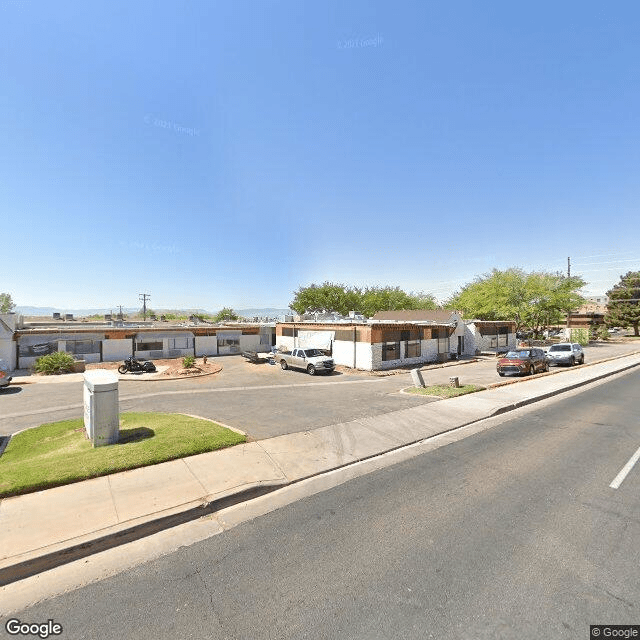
59, 362
188, 362
581, 336
599, 333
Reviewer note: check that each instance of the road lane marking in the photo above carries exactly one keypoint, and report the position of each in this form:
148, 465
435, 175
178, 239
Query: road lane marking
619, 479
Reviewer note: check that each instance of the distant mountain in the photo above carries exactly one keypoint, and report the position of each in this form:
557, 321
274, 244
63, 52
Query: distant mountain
49, 311
245, 313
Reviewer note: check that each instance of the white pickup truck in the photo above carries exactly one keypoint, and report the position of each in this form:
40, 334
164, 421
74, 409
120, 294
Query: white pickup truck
311, 360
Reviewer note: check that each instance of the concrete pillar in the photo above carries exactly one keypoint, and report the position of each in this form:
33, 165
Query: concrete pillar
101, 413
416, 375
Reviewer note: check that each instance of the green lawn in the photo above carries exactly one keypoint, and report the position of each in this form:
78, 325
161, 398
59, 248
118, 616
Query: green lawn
59, 453
445, 391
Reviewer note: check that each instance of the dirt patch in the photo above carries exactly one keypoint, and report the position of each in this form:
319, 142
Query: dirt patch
174, 367
177, 369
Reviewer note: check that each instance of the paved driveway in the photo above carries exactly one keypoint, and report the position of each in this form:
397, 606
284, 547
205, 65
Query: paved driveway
262, 400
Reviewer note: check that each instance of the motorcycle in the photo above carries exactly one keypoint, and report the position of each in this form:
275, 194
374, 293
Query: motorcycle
135, 366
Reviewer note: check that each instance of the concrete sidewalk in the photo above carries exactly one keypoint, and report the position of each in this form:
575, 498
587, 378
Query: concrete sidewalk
49, 528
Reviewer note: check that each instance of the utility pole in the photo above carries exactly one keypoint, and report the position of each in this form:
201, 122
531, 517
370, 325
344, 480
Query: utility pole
144, 297
568, 276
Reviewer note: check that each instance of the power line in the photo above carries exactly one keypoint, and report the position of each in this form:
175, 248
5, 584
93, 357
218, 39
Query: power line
588, 264
605, 255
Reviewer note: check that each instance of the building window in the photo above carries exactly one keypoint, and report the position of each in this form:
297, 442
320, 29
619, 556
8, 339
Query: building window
441, 334
391, 351
229, 342
149, 346
412, 349
287, 332
181, 343
82, 346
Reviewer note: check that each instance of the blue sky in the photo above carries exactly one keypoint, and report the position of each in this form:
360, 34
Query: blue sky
224, 153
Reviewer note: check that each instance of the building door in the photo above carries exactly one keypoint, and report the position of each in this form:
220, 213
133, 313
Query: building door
460, 345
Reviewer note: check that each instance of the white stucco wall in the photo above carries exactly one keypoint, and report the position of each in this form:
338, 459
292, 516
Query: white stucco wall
284, 341
88, 357
7, 345
484, 343
8, 352
469, 341
114, 350
250, 342
206, 345
27, 362
343, 354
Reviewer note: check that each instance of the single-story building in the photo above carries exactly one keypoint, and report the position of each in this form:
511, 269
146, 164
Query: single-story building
21, 344
398, 338
587, 316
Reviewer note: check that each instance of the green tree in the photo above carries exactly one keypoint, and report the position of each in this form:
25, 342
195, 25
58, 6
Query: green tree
328, 296
341, 298
150, 312
226, 313
376, 299
6, 303
623, 308
535, 300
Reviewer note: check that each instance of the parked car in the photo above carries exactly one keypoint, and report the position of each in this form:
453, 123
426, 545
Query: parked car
5, 378
311, 360
565, 353
522, 362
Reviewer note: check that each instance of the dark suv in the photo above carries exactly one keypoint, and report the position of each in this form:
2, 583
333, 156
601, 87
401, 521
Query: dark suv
522, 362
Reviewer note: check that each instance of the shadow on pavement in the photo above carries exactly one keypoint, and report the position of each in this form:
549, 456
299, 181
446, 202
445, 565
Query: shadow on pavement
10, 391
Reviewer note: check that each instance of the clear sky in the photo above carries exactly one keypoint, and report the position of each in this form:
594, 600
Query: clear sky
224, 153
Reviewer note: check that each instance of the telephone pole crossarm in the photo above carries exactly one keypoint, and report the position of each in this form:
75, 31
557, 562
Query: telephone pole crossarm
144, 297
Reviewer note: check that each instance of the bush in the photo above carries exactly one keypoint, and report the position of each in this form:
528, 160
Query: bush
599, 333
581, 336
59, 362
188, 362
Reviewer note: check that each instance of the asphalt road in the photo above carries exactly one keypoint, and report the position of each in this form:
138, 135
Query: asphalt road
262, 400
513, 533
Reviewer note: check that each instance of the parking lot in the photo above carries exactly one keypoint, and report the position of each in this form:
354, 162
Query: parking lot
262, 400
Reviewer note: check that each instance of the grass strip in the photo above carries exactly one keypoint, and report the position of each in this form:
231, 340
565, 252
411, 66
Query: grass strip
445, 391
59, 453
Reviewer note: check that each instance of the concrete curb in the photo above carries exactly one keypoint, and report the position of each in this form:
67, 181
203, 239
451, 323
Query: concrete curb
30, 563
426, 367
53, 557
